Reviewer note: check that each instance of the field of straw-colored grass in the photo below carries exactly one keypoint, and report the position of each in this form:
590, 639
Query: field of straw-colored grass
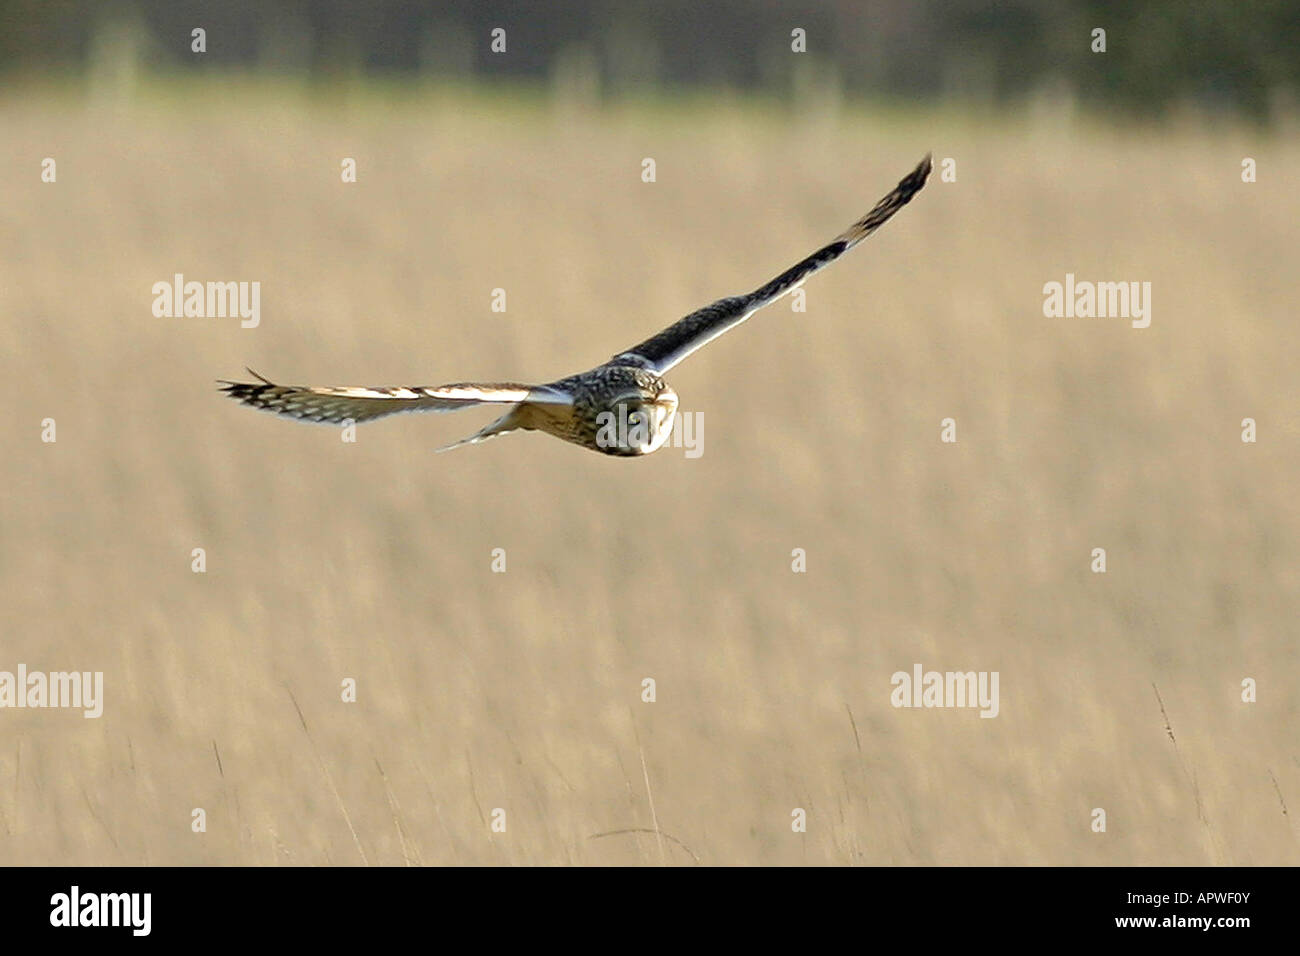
522, 691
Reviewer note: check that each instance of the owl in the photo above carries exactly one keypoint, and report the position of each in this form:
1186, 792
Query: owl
622, 407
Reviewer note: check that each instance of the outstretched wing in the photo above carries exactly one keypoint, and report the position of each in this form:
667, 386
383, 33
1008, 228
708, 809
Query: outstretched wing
683, 337
365, 403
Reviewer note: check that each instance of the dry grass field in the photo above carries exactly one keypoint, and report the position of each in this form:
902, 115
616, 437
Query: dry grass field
522, 691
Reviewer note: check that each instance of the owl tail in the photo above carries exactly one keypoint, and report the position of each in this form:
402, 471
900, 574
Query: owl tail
509, 422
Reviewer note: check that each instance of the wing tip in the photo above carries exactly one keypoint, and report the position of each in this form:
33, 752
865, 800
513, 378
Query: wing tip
913, 181
228, 386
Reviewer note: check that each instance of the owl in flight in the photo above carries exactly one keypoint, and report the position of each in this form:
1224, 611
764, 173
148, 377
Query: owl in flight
623, 407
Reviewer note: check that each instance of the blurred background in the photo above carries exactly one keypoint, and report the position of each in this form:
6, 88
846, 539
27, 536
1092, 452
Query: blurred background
522, 170
1206, 54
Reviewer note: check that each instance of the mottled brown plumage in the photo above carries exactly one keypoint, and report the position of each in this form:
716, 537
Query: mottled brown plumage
622, 407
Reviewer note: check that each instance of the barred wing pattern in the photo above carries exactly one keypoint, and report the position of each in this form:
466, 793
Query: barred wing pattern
335, 405
661, 352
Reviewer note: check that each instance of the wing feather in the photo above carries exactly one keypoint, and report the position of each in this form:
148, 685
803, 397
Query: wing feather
334, 405
661, 352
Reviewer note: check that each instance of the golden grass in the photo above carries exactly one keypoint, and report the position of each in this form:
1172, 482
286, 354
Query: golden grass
522, 690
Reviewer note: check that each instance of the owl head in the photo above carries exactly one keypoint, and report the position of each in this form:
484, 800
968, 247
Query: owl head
637, 422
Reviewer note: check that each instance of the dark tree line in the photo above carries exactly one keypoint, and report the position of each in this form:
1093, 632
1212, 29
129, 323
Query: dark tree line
1234, 54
